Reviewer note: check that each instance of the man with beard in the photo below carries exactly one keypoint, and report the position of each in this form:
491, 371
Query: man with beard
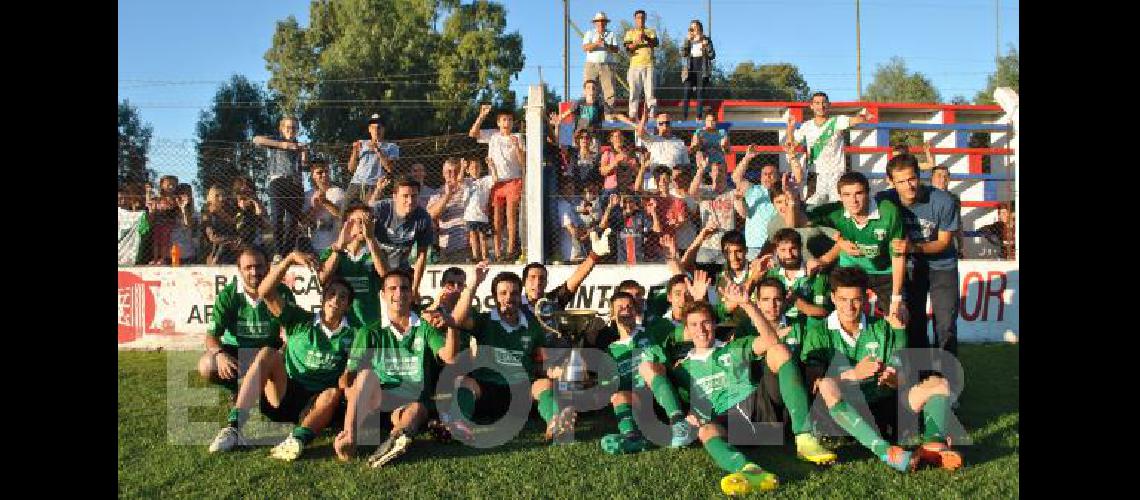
806, 290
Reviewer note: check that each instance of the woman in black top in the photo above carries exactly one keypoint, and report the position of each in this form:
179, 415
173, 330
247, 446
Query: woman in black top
697, 53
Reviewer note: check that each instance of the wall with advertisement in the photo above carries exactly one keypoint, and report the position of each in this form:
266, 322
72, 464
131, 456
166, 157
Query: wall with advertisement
170, 307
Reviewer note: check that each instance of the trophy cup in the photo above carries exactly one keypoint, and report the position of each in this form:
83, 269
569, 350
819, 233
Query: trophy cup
570, 329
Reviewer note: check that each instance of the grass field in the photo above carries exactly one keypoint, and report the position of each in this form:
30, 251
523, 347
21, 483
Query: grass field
152, 463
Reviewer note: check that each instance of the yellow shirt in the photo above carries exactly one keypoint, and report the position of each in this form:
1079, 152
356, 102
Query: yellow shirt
643, 56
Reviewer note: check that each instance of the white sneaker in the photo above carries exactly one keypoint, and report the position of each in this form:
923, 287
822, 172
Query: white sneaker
288, 450
396, 445
227, 439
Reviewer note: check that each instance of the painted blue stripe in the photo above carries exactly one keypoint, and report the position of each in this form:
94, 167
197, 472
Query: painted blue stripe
762, 125
961, 177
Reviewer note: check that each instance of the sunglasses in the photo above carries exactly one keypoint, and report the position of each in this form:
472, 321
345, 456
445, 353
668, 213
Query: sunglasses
662, 124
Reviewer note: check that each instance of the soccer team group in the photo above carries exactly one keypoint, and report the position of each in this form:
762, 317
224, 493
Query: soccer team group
801, 328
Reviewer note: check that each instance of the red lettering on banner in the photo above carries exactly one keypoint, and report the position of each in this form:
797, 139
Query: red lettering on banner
966, 314
998, 294
137, 306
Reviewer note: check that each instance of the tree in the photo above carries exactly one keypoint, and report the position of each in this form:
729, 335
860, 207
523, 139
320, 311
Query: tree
360, 57
892, 82
240, 110
1006, 75
771, 82
134, 144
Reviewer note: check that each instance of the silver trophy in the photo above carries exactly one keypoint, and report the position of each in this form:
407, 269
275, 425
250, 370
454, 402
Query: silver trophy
570, 330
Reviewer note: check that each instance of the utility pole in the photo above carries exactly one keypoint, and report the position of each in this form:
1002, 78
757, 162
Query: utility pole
858, 57
708, 6
997, 34
566, 49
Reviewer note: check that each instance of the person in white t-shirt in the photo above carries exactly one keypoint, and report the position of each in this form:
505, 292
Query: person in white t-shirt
478, 192
575, 229
823, 138
508, 159
324, 206
601, 47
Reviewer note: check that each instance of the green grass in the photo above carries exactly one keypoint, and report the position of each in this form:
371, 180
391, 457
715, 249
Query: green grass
152, 461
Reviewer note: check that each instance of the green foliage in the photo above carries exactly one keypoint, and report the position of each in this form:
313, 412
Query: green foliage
239, 111
1006, 75
134, 144
769, 82
893, 82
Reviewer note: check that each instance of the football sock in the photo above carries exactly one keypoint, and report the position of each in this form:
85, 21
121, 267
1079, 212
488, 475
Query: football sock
860, 429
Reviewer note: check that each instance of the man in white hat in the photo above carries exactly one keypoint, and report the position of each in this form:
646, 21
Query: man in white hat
601, 46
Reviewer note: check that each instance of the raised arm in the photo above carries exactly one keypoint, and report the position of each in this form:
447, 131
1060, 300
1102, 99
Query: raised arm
267, 290
743, 184
688, 262
484, 110
461, 315
695, 184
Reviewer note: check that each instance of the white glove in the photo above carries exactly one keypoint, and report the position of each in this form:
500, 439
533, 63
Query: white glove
600, 245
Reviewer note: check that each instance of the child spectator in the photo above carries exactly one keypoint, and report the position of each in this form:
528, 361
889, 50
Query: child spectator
478, 192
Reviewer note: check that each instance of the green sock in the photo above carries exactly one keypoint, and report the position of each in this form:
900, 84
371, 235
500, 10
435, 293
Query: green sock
547, 407
304, 434
934, 414
238, 417
624, 414
665, 395
850, 421
794, 395
466, 399
725, 455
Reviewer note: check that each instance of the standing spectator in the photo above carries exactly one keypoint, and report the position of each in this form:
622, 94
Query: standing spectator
718, 210
478, 193
630, 227
640, 42
508, 159
1001, 233
687, 232
930, 219
401, 223
697, 54
286, 156
758, 207
664, 147
619, 167
324, 207
220, 234
940, 179
164, 215
589, 112
186, 226
370, 160
419, 173
601, 48
669, 211
446, 209
249, 217
575, 229
710, 140
823, 138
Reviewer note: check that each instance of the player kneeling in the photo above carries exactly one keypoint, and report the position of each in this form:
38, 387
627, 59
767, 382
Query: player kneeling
299, 382
396, 358
864, 341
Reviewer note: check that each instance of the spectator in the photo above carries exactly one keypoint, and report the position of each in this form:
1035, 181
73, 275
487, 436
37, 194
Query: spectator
619, 167
823, 137
478, 193
601, 47
219, 229
664, 148
717, 210
687, 232
640, 42
697, 54
134, 228
816, 240
187, 224
757, 205
446, 209
807, 298
370, 160
589, 112
585, 158
904, 149
324, 207
357, 258
940, 179
1002, 233
401, 223
163, 214
930, 219
419, 173
575, 229
710, 140
508, 158
632, 227
669, 211
249, 217
286, 156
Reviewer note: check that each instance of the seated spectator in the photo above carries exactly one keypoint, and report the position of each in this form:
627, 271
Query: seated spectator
163, 215
710, 140
620, 165
666, 208
446, 209
323, 209
718, 209
664, 148
477, 196
219, 231
186, 226
249, 217
573, 238
585, 157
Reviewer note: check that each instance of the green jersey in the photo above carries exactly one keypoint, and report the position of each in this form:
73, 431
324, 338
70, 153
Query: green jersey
874, 239
513, 348
722, 375
794, 339
876, 338
675, 346
360, 273
657, 304
722, 314
406, 363
813, 289
314, 356
644, 344
243, 322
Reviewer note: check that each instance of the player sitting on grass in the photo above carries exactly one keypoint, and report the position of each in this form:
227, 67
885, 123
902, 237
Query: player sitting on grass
356, 257
299, 382
242, 325
514, 337
634, 346
871, 345
770, 300
394, 360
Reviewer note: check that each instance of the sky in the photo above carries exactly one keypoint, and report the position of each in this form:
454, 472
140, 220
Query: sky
173, 55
